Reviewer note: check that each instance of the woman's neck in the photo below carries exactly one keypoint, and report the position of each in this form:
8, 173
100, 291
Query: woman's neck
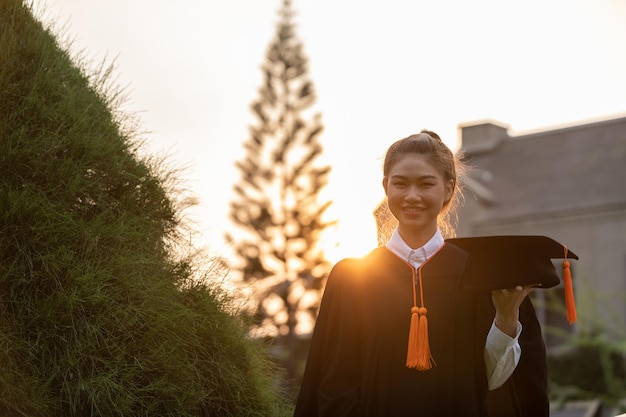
416, 239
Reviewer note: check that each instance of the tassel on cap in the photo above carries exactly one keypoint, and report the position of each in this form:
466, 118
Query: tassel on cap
570, 304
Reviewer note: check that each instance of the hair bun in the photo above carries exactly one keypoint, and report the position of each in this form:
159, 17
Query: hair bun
431, 134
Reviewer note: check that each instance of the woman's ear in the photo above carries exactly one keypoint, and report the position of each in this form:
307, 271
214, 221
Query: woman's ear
385, 183
449, 190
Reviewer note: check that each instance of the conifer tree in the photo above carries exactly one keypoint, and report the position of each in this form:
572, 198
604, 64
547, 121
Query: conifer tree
100, 315
276, 204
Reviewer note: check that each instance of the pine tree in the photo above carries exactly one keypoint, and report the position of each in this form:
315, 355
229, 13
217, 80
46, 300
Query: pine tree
99, 313
276, 203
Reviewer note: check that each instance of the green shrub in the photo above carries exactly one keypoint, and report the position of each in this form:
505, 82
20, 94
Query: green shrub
591, 368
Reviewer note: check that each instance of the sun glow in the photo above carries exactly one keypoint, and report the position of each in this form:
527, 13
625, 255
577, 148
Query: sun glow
354, 235
355, 192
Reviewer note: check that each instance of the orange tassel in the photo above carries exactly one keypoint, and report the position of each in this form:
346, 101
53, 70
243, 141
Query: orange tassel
424, 359
418, 353
411, 357
570, 304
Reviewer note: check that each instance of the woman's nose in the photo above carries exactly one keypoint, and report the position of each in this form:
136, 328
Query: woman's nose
413, 193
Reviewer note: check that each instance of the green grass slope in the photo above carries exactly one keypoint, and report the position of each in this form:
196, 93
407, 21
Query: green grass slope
98, 317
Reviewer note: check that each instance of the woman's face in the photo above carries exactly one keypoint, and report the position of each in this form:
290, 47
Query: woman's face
416, 192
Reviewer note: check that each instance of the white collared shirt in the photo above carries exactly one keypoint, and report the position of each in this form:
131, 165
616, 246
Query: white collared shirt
502, 352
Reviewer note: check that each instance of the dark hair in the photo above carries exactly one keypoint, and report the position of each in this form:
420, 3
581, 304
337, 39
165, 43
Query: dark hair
450, 166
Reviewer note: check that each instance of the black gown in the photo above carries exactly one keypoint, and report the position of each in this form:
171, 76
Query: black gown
357, 359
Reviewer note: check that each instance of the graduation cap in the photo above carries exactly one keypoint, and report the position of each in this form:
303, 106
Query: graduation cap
498, 262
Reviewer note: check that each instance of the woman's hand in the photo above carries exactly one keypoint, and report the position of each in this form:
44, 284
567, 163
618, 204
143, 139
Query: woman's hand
507, 304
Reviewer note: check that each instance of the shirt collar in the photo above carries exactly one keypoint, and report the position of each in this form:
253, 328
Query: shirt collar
415, 257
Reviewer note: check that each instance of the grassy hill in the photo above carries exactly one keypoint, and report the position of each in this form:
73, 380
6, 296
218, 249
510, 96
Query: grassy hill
101, 312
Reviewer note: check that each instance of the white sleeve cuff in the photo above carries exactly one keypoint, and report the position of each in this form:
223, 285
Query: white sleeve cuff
499, 338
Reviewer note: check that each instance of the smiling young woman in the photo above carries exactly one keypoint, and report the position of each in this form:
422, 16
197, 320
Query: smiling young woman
396, 336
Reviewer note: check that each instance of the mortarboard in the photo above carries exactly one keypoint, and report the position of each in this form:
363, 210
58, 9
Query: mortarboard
495, 262
498, 262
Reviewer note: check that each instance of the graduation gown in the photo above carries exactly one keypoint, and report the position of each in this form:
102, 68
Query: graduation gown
357, 359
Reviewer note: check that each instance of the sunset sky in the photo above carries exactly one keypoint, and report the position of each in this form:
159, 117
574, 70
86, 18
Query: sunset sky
382, 71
